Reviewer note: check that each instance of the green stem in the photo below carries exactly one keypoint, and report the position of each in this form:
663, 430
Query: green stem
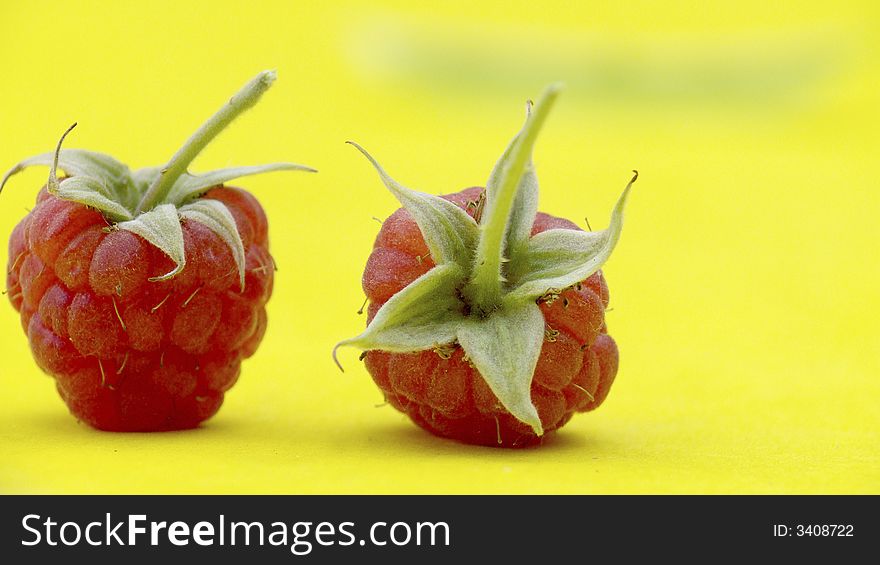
485, 287
244, 99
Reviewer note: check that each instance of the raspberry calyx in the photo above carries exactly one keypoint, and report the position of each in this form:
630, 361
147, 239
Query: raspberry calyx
151, 202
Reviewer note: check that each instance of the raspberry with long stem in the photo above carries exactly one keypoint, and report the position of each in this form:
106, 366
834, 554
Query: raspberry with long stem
142, 291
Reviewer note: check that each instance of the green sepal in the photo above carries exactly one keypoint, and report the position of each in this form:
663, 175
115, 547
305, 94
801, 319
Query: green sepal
161, 227
190, 186
90, 192
559, 258
95, 179
217, 217
505, 347
449, 232
424, 315
512, 185
525, 204
76, 162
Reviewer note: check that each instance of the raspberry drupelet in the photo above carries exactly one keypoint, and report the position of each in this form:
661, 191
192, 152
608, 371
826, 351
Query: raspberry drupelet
142, 292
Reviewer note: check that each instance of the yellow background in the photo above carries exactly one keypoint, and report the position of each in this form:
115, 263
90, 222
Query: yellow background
744, 287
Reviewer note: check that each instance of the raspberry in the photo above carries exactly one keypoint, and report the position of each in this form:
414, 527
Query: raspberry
486, 321
143, 310
448, 396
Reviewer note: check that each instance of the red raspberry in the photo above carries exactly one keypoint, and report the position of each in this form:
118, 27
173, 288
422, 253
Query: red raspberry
478, 328
139, 336
446, 395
